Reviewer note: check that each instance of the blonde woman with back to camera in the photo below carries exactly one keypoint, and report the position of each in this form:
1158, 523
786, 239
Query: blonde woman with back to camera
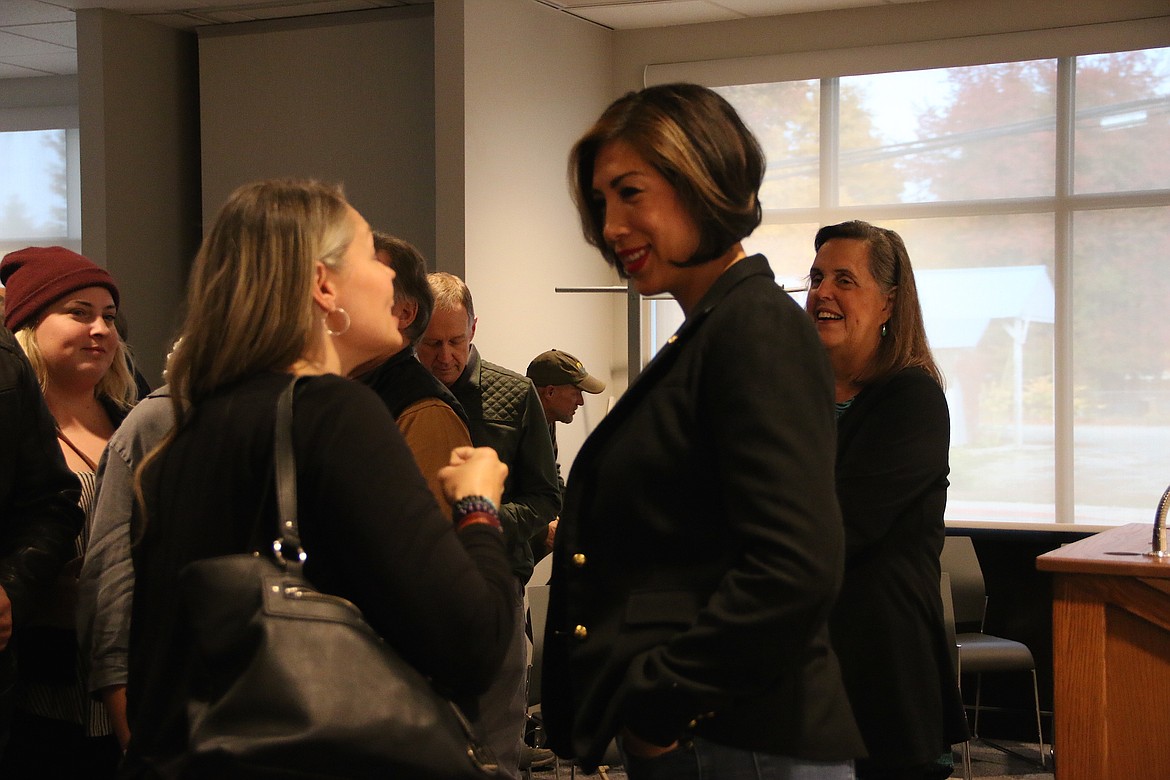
287, 283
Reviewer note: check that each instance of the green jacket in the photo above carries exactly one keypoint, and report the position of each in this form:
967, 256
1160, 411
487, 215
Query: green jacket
505, 414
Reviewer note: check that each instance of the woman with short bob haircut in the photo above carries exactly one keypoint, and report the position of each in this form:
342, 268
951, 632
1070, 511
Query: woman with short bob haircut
287, 284
715, 167
699, 549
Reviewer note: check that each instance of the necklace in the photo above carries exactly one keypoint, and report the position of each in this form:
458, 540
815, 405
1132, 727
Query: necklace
61, 435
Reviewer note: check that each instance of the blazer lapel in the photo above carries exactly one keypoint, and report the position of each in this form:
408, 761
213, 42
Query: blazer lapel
662, 362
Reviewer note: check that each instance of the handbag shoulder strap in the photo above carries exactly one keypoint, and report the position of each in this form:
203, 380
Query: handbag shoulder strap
287, 547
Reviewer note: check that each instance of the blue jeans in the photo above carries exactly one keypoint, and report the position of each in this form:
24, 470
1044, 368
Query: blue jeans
705, 760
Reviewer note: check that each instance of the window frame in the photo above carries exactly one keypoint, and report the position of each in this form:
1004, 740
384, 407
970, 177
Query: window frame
1062, 205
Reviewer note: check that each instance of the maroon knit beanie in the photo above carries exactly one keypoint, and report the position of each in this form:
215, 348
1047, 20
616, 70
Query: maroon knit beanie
35, 277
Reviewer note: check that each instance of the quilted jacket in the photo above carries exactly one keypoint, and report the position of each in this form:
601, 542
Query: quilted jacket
505, 414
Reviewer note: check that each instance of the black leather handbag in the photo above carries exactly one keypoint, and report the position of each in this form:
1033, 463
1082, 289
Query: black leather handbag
292, 682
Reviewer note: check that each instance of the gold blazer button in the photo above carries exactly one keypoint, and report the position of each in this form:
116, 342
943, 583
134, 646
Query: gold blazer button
579, 560
580, 632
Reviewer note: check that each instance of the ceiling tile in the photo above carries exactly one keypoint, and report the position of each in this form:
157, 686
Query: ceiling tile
148, 6
31, 12
50, 22
138, 7
180, 21
586, 3
59, 33
13, 45
638, 15
287, 10
60, 63
774, 7
223, 16
8, 71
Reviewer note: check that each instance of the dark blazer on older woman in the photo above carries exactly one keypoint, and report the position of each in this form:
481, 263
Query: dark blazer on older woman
888, 625
700, 548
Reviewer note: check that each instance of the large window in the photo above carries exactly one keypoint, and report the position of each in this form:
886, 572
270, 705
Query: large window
1034, 198
39, 189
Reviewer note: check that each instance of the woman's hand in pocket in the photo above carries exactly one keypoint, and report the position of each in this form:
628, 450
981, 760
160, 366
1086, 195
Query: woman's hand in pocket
636, 746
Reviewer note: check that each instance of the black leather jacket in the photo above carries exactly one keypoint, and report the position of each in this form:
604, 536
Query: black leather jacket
39, 513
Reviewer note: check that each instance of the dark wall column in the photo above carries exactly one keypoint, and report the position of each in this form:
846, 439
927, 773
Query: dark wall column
140, 190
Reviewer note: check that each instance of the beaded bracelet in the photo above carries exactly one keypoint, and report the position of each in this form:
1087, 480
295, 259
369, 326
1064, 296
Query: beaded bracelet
478, 518
469, 504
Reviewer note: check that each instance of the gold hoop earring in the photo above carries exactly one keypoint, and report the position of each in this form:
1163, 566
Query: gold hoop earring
343, 328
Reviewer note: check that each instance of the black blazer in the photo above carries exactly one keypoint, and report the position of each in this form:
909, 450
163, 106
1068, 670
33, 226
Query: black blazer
701, 545
887, 627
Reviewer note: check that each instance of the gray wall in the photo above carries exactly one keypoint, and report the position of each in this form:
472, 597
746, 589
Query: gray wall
533, 80
38, 103
139, 168
343, 98
450, 130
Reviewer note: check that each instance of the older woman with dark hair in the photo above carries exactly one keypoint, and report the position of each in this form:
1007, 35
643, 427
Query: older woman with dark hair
700, 546
893, 435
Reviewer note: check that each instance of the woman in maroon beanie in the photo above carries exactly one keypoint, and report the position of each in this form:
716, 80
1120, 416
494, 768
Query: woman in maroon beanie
61, 307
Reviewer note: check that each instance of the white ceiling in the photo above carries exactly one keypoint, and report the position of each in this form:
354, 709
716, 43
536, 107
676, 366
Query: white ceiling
38, 37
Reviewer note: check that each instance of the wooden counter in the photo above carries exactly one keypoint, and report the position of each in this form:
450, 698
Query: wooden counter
1111, 657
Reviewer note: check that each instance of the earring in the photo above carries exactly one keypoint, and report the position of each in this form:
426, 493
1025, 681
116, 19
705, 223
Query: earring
343, 328
885, 330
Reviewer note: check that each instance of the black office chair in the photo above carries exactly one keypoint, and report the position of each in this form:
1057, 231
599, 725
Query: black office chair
949, 621
980, 653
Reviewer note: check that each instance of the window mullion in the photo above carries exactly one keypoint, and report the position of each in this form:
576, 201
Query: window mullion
1063, 356
830, 142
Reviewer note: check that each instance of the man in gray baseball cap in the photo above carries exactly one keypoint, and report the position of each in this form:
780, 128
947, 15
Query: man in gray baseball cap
560, 380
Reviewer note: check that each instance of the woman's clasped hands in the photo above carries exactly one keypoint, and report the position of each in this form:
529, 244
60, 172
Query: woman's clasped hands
474, 471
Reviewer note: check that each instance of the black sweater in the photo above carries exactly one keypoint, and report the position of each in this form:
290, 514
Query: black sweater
369, 525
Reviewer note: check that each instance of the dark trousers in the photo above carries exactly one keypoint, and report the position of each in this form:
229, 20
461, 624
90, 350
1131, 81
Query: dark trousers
700, 759
43, 747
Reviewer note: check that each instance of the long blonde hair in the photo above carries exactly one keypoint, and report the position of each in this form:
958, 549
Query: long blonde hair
116, 385
249, 299
250, 296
